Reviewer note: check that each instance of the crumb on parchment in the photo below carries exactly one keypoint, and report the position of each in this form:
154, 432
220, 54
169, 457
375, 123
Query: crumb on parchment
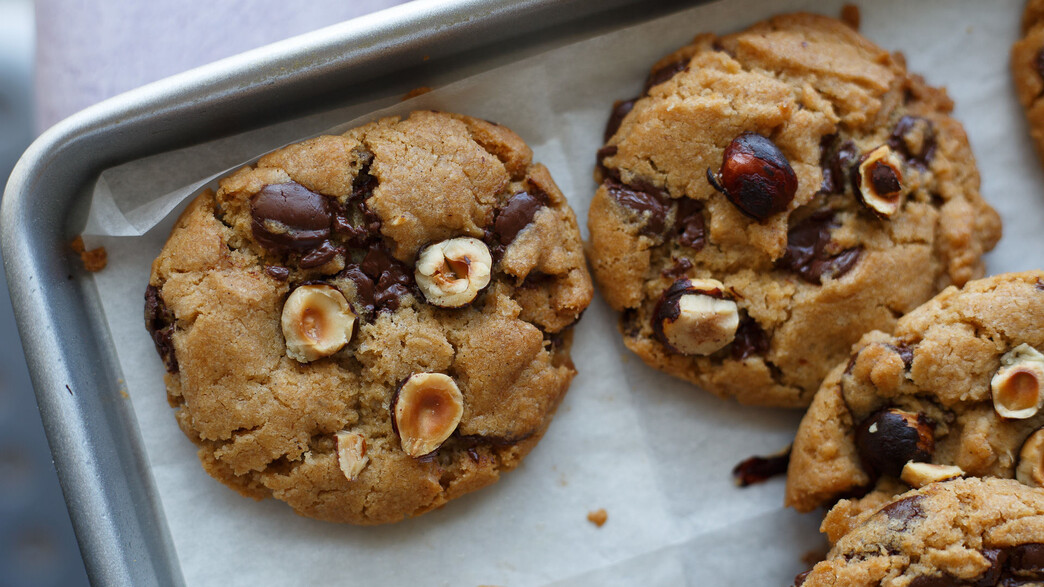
598, 517
94, 259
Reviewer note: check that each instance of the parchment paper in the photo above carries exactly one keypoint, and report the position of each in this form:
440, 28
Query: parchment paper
656, 453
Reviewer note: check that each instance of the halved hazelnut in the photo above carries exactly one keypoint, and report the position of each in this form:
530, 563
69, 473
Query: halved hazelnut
696, 317
1031, 460
1018, 386
880, 181
918, 475
427, 409
317, 322
351, 453
452, 272
890, 438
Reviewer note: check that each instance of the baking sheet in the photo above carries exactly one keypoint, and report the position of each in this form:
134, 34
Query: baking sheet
654, 452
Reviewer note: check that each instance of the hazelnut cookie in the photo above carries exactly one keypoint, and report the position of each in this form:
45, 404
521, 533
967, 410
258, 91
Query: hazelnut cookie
369, 325
956, 390
974, 532
1027, 68
772, 195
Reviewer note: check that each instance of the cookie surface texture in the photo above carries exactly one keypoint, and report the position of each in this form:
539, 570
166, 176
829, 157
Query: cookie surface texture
366, 326
957, 389
801, 168
964, 532
1027, 69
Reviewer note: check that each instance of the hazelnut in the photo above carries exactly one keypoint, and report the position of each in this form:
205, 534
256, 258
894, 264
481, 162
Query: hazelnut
427, 409
755, 176
1031, 460
1016, 386
880, 181
451, 272
918, 475
695, 317
890, 438
351, 453
317, 322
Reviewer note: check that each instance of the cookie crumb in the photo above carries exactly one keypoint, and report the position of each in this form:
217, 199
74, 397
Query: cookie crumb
94, 259
598, 517
418, 91
850, 16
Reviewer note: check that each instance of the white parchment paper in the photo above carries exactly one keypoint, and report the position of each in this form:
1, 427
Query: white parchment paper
654, 452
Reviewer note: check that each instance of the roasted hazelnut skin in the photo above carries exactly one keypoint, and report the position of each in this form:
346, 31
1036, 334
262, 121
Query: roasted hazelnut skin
890, 438
755, 176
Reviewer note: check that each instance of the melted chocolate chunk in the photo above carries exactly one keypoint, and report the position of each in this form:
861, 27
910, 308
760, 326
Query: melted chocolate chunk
1027, 560
664, 74
679, 269
800, 579
159, 321
392, 280
906, 353
277, 272
320, 255
905, 510
363, 289
690, 226
808, 252
914, 137
750, 339
759, 469
620, 109
649, 204
836, 160
289, 216
517, 213
355, 222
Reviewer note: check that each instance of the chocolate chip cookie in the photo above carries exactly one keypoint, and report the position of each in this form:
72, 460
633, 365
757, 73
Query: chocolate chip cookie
969, 532
956, 390
1027, 68
773, 194
369, 325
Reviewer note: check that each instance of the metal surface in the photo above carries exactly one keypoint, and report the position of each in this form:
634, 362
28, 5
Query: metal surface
91, 430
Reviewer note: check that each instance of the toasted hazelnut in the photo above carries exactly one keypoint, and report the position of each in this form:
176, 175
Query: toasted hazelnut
1017, 385
317, 322
890, 438
755, 176
695, 317
918, 475
1031, 460
351, 453
427, 409
880, 181
452, 272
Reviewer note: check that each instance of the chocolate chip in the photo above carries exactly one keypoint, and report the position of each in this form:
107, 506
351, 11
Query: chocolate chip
690, 226
904, 510
620, 109
750, 339
914, 137
890, 438
320, 255
679, 269
517, 213
277, 272
755, 176
664, 74
392, 280
807, 249
159, 321
836, 160
649, 204
289, 216
759, 469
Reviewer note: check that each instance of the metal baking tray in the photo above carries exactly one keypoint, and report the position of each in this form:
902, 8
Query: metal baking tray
93, 435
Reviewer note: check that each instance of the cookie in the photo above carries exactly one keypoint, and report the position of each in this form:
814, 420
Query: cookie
1027, 69
367, 326
772, 195
970, 532
956, 390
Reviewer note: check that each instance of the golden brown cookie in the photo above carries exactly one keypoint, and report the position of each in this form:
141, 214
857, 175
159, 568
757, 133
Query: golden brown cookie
369, 325
772, 195
968, 532
1027, 69
957, 389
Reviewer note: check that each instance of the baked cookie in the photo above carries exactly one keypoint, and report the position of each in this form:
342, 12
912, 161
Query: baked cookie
1027, 68
772, 195
956, 390
968, 532
369, 325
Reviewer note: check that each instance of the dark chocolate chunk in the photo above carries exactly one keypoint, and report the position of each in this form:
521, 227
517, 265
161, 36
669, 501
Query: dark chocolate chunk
679, 269
836, 161
289, 216
800, 579
689, 224
364, 302
914, 137
906, 353
664, 74
392, 280
755, 176
808, 252
649, 204
905, 510
759, 469
277, 272
517, 213
620, 109
320, 255
750, 339
890, 438
159, 321
1027, 560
